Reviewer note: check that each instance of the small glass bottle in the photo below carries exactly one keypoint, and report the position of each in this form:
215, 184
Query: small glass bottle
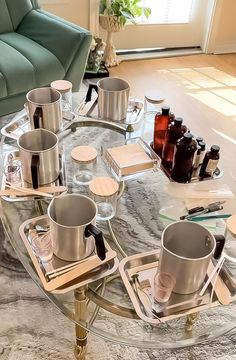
203, 151
104, 192
197, 156
84, 161
183, 158
210, 162
65, 89
175, 131
162, 121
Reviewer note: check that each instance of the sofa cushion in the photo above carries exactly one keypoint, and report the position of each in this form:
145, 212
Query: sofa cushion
23, 7
26, 64
5, 19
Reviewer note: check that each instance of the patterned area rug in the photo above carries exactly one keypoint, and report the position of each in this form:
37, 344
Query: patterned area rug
31, 328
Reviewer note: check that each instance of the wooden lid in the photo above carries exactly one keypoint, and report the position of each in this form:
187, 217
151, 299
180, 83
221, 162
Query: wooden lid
154, 97
231, 224
61, 85
103, 186
84, 154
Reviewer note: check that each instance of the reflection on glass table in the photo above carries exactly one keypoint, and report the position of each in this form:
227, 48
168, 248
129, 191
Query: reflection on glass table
103, 307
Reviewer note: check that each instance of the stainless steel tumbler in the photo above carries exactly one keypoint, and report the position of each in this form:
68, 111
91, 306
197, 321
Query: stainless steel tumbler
44, 109
72, 227
39, 156
187, 248
113, 98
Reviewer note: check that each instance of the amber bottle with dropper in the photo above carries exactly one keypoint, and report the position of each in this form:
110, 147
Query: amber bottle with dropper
160, 127
183, 158
175, 131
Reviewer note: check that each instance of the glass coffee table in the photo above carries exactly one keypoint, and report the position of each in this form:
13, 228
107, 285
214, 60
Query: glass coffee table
103, 307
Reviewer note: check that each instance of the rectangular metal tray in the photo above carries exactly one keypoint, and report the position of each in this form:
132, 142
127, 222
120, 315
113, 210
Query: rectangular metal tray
114, 168
90, 109
20, 124
146, 265
61, 180
76, 276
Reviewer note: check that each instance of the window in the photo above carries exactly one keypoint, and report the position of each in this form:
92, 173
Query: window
167, 11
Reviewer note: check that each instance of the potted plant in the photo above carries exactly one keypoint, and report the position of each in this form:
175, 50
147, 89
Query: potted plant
113, 16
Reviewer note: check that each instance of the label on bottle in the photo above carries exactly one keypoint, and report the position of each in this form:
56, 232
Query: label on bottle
202, 154
196, 162
211, 166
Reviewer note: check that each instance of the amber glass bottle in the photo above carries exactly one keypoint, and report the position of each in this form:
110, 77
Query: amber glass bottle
210, 162
183, 158
160, 127
175, 131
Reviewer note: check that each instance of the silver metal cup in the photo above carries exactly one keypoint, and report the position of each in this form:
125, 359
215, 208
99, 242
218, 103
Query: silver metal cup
72, 227
187, 248
39, 156
44, 109
113, 98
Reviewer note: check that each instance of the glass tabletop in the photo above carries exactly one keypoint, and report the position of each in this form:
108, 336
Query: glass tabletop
136, 228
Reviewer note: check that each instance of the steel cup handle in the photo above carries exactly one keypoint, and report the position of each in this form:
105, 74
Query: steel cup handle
38, 114
89, 92
34, 170
220, 243
99, 241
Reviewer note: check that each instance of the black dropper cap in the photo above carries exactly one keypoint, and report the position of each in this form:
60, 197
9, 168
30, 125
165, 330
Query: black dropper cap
187, 137
165, 110
215, 149
203, 145
178, 121
199, 139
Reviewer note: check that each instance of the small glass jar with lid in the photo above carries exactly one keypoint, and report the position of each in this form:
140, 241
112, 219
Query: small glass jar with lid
104, 192
152, 101
65, 89
84, 162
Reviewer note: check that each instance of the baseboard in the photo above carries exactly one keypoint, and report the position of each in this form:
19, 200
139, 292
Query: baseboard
159, 54
225, 47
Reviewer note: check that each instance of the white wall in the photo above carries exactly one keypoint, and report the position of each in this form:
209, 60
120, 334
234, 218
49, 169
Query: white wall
76, 11
221, 39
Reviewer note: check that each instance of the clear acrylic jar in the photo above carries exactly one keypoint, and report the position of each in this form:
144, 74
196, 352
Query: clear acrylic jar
65, 89
84, 162
104, 192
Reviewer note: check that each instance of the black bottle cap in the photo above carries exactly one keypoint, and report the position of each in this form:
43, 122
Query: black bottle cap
165, 110
199, 139
187, 137
178, 121
203, 145
215, 149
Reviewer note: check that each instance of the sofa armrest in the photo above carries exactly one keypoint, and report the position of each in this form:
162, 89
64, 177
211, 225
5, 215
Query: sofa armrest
60, 37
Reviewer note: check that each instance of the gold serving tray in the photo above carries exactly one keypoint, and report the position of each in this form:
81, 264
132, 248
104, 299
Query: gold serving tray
67, 275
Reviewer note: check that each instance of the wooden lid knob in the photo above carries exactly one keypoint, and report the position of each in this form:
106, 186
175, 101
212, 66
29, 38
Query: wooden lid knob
154, 97
61, 85
84, 154
231, 224
103, 186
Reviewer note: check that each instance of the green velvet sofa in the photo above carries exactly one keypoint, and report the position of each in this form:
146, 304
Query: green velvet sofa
36, 48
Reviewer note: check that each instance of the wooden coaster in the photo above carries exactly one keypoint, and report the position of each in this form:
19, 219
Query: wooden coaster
84, 154
103, 186
61, 85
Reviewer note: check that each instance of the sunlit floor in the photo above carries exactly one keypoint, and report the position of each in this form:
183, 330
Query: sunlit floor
199, 88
